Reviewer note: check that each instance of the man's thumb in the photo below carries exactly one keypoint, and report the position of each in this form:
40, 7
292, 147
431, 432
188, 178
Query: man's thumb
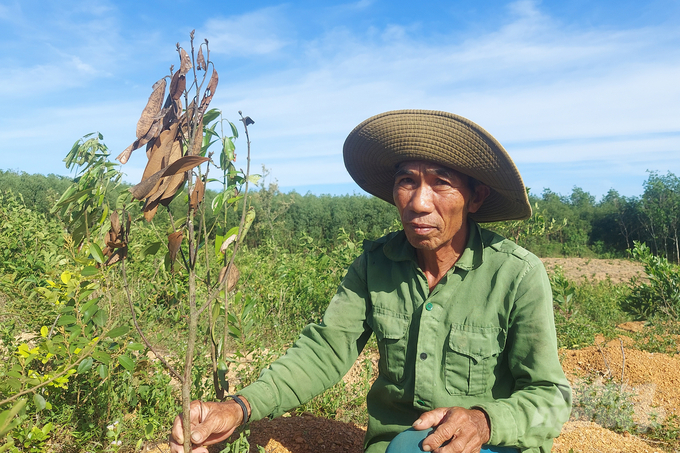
199, 433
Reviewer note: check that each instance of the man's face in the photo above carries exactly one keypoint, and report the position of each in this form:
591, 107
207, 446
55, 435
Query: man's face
434, 202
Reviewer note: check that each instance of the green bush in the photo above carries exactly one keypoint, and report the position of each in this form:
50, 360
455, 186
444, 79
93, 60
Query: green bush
661, 294
607, 404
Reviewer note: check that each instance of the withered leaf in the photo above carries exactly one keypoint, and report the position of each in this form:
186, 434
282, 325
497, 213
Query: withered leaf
147, 186
209, 93
227, 242
115, 224
174, 243
169, 184
150, 135
148, 215
197, 194
234, 275
200, 60
160, 154
153, 106
198, 142
174, 185
185, 63
177, 86
120, 254
183, 164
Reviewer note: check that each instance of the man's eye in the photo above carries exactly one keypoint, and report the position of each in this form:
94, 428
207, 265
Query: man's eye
443, 182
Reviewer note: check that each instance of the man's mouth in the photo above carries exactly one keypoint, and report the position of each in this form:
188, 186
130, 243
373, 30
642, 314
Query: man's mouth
421, 228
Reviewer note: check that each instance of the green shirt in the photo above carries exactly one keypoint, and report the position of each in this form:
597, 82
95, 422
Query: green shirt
483, 337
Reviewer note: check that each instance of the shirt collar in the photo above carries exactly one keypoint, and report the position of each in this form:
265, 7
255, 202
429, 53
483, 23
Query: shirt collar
397, 248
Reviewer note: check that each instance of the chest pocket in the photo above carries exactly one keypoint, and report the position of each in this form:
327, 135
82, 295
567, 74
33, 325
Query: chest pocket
471, 356
390, 329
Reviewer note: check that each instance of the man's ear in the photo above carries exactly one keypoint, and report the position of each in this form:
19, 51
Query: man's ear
478, 197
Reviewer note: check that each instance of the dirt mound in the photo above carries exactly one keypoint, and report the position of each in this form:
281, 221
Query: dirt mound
595, 269
588, 437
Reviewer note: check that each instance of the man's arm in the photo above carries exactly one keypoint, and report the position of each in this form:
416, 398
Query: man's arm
321, 356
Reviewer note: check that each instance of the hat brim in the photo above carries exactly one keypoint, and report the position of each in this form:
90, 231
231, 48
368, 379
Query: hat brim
375, 148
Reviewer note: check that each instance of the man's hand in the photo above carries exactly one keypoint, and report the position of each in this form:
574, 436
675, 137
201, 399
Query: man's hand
467, 430
210, 423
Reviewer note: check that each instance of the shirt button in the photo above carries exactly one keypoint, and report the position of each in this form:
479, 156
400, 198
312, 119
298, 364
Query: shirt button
428, 307
423, 355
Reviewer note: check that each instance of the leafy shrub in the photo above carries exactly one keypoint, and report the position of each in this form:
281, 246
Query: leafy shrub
661, 295
607, 404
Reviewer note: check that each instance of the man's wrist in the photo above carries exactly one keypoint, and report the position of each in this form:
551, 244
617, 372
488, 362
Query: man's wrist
244, 406
483, 422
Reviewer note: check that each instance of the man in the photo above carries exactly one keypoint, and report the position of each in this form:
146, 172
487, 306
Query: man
463, 317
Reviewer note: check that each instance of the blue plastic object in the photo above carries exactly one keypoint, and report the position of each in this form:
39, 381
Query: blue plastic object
411, 441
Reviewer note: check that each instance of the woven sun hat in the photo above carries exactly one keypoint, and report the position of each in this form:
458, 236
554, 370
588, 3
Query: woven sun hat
375, 148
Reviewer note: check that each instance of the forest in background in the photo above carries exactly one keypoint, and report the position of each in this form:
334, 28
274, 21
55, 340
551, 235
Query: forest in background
573, 225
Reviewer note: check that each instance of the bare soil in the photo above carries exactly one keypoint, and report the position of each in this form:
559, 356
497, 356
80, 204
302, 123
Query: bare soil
654, 379
577, 269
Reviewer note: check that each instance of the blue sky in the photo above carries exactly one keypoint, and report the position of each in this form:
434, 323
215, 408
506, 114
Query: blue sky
580, 93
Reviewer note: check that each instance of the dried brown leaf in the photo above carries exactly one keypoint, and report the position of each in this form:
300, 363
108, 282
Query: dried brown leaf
174, 243
161, 153
184, 164
234, 275
174, 184
177, 86
120, 254
197, 194
150, 135
198, 141
148, 215
115, 223
153, 106
147, 186
200, 60
185, 64
227, 242
209, 93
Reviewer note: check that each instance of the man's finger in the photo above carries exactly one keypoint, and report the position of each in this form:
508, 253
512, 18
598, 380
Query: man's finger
441, 435
429, 419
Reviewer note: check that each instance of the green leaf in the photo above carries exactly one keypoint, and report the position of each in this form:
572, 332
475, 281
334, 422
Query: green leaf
85, 365
100, 318
39, 401
103, 370
151, 249
118, 331
234, 131
66, 320
210, 116
136, 346
90, 312
96, 253
218, 244
127, 362
222, 370
89, 271
217, 202
102, 357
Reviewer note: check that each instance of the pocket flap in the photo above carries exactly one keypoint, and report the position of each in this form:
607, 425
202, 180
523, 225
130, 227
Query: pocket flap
389, 325
477, 342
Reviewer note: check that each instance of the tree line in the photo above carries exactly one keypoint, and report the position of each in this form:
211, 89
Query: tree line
576, 224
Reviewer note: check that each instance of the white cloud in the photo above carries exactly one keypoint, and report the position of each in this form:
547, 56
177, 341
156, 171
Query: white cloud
262, 32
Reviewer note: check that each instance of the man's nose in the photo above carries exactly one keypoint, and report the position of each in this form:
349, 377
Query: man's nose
421, 201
